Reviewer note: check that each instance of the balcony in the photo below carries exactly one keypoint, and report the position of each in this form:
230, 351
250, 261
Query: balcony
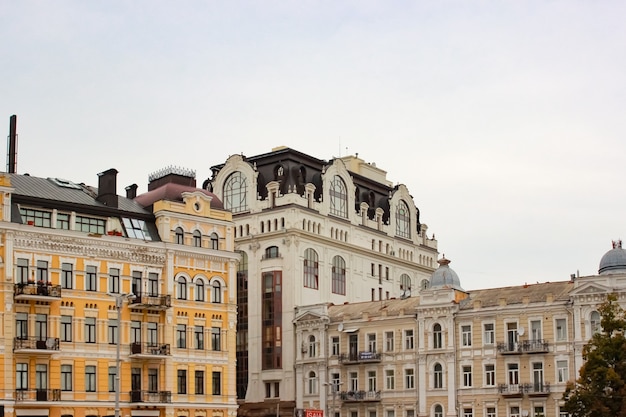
32, 291
151, 397
535, 346
359, 396
151, 302
507, 348
149, 350
511, 390
35, 344
537, 389
360, 357
38, 395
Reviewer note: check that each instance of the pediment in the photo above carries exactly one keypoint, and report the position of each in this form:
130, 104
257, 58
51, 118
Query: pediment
308, 317
591, 288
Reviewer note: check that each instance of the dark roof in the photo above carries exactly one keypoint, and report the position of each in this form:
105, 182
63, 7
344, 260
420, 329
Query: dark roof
174, 192
536, 293
47, 193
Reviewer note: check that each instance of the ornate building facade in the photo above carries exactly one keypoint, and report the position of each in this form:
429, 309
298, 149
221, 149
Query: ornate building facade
311, 231
100, 290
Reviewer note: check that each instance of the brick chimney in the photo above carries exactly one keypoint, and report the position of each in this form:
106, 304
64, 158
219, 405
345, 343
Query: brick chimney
131, 191
107, 188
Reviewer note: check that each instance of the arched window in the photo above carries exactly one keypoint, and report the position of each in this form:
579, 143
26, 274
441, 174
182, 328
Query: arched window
403, 220
338, 197
437, 336
181, 284
199, 290
216, 292
215, 241
180, 236
235, 190
339, 275
594, 321
271, 252
437, 376
405, 282
197, 239
312, 383
312, 345
438, 411
311, 269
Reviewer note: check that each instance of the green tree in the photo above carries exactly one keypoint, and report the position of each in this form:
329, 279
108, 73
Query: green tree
600, 390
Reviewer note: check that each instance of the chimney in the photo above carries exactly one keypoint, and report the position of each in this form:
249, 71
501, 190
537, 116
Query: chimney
12, 146
131, 191
107, 188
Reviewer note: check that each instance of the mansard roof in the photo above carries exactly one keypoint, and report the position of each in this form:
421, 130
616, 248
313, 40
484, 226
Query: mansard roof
533, 293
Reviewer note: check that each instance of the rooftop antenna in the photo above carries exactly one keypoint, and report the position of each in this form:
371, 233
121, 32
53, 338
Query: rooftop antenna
12, 146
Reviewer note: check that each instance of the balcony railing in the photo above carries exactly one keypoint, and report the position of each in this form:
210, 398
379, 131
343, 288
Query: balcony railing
537, 389
360, 357
38, 395
511, 390
508, 348
50, 344
150, 396
535, 346
359, 396
149, 349
153, 302
518, 390
28, 290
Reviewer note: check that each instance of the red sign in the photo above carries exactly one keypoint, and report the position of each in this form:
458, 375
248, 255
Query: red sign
313, 413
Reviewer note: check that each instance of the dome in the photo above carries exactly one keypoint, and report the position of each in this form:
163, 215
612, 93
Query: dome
614, 261
444, 276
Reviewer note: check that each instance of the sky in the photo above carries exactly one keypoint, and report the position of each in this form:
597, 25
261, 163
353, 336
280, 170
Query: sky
505, 119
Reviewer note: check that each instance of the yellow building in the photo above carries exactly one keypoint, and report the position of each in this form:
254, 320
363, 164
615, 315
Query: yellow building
93, 283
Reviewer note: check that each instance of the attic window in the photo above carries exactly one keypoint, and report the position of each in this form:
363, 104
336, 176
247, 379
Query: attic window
136, 228
65, 183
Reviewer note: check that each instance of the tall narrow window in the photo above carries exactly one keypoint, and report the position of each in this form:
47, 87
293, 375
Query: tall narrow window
594, 322
403, 220
22, 270
182, 288
90, 378
42, 272
235, 193
488, 334
153, 284
66, 377
21, 326
215, 241
409, 378
114, 280
490, 375
200, 289
197, 239
216, 339
67, 276
437, 336
339, 276
216, 292
90, 330
181, 336
182, 381
179, 236
437, 376
216, 383
91, 278
199, 382
311, 269
198, 336
21, 376
112, 378
66, 328
338, 197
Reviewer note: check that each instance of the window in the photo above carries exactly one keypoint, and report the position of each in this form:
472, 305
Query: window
538, 411
467, 376
491, 412
271, 252
37, 218
135, 331
437, 337
371, 381
179, 236
181, 284
153, 380
42, 272
197, 239
312, 383
353, 379
112, 332
468, 412
371, 342
198, 336
513, 373
438, 411
437, 376
514, 411
153, 284
216, 338
199, 382
390, 379
334, 341
408, 340
181, 381
594, 321
67, 276
562, 371
217, 383
21, 376
563, 413
21, 326
311, 269
90, 378
235, 190
215, 241
488, 334
216, 292
91, 278
490, 375
181, 336
90, 225
114, 280
135, 283
409, 378
466, 335
339, 275
136, 228
338, 198
112, 378
63, 221
311, 349
152, 332
561, 330
66, 377
403, 220
199, 290
66, 328
405, 282
22, 270
41, 376
389, 341
535, 330
90, 330
41, 326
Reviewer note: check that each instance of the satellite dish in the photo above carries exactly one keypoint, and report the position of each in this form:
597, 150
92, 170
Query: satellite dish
340, 327
520, 331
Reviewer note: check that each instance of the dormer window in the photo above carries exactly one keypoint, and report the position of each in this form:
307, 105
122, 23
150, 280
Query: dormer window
136, 228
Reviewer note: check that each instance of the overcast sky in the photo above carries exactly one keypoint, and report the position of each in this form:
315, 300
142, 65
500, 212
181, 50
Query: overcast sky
505, 119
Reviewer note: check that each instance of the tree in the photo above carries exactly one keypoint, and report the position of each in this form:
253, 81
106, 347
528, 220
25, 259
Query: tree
600, 389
